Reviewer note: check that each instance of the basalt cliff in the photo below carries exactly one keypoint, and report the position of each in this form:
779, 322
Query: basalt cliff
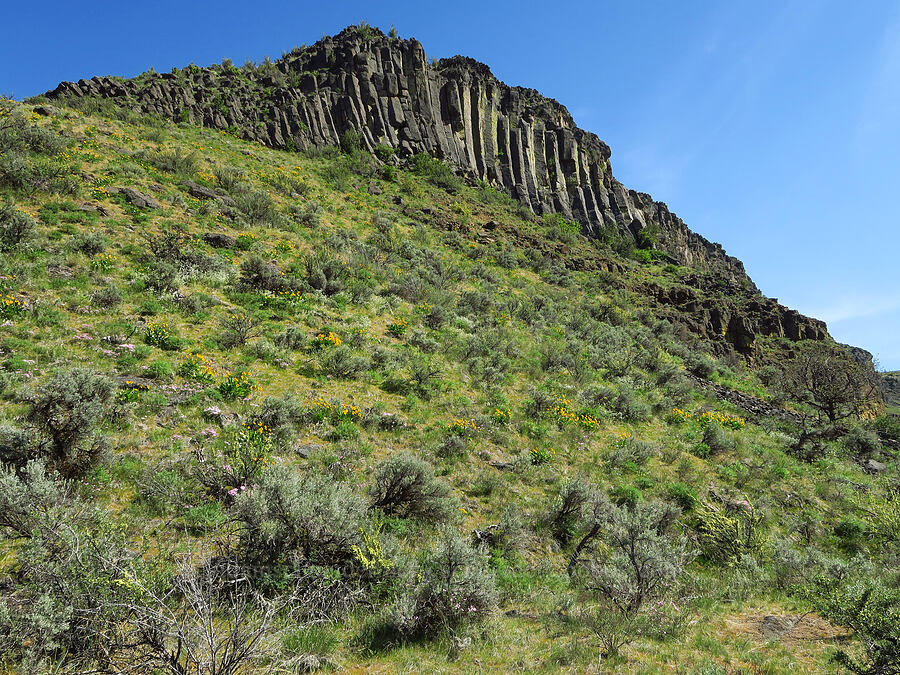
513, 138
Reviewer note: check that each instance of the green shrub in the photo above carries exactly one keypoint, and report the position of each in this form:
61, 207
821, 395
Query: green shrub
727, 534
325, 273
342, 363
69, 596
405, 486
625, 495
861, 442
717, 439
642, 559
453, 587
106, 297
89, 243
176, 161
16, 227
237, 329
257, 207
204, 518
160, 370
872, 611
65, 413
683, 495
887, 427
161, 277
560, 229
310, 516
851, 534
436, 172
311, 640
259, 275
567, 512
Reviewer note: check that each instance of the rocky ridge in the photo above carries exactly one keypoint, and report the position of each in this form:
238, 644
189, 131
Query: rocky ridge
513, 138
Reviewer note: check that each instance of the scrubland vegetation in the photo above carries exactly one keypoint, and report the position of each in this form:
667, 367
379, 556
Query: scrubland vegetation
330, 410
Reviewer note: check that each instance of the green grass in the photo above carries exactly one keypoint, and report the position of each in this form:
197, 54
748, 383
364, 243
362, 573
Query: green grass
510, 335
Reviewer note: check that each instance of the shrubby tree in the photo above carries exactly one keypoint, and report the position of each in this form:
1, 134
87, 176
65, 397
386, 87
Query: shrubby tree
567, 513
453, 587
872, 611
16, 227
204, 619
69, 598
828, 380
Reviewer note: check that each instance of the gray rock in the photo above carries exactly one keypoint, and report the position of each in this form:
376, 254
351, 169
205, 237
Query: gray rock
514, 139
304, 450
140, 199
773, 627
218, 240
874, 466
45, 110
199, 191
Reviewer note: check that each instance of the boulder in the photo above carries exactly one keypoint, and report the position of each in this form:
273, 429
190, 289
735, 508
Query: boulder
773, 627
140, 199
874, 466
218, 240
199, 191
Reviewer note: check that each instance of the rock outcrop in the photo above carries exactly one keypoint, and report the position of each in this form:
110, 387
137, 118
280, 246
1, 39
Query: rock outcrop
386, 90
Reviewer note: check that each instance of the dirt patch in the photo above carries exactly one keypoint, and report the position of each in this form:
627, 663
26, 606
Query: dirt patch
791, 628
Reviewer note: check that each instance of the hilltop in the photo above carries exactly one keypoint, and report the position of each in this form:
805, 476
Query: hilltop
384, 90
286, 390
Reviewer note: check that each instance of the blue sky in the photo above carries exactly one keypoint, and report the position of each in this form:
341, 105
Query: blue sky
772, 127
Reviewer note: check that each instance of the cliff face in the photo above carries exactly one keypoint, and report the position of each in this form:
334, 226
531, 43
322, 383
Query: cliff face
385, 88
511, 137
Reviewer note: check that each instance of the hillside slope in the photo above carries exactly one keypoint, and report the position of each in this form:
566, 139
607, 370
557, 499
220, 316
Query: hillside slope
384, 90
299, 411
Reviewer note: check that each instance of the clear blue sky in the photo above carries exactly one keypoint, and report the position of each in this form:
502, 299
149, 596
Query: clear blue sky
772, 127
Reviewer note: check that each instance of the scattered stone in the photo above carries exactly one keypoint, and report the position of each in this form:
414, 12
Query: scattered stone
45, 110
375, 189
140, 199
304, 450
391, 422
874, 466
218, 240
773, 627
60, 271
199, 191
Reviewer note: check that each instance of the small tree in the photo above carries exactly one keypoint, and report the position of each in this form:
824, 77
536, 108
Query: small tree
69, 599
203, 620
312, 517
828, 380
454, 586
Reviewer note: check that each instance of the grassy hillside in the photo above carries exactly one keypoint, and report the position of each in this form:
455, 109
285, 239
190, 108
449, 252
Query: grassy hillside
359, 416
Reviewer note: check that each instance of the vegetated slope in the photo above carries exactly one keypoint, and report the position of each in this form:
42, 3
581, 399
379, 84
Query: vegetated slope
360, 415
384, 91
